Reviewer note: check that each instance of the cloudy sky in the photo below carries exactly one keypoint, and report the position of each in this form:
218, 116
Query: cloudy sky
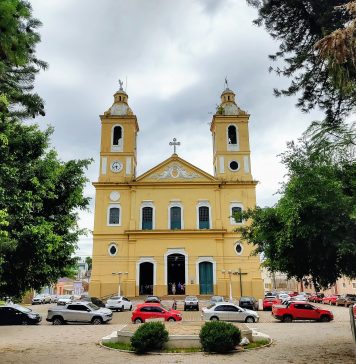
175, 56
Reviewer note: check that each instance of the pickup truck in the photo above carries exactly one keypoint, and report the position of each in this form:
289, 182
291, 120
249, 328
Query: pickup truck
301, 311
79, 312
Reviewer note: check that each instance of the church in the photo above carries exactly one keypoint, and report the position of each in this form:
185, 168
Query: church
170, 231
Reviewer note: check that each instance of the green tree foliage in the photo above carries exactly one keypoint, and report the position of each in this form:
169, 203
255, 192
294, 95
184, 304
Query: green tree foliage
18, 62
311, 231
41, 196
89, 261
300, 26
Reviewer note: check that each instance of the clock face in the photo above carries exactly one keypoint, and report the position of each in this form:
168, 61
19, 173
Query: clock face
116, 166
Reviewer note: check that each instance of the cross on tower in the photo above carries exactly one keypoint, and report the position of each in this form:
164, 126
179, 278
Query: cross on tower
174, 143
121, 83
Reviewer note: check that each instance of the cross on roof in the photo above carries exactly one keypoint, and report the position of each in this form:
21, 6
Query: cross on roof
174, 143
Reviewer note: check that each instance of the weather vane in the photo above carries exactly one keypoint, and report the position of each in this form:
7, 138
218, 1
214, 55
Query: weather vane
121, 83
174, 143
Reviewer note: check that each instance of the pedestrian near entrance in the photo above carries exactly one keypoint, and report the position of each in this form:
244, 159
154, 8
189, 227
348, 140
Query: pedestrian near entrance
174, 306
173, 288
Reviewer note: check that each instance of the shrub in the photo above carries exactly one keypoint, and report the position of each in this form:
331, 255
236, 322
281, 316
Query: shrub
219, 337
149, 336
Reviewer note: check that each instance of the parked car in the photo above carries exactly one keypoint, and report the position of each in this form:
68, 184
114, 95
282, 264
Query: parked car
41, 298
65, 300
118, 303
216, 299
97, 301
226, 311
300, 310
152, 299
331, 299
18, 315
283, 297
191, 303
345, 300
354, 309
316, 298
269, 301
54, 298
248, 302
154, 310
79, 312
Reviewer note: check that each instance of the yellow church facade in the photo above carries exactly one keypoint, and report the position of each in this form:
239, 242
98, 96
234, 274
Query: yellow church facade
170, 230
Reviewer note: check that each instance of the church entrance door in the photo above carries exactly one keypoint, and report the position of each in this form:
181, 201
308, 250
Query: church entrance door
146, 278
176, 274
206, 278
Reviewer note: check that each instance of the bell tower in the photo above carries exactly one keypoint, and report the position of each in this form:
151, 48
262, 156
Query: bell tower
119, 130
231, 147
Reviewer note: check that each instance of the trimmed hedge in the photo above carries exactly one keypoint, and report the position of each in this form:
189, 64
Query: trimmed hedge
219, 337
149, 337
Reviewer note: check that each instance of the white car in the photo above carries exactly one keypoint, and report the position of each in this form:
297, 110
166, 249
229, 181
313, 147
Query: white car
118, 303
64, 300
226, 311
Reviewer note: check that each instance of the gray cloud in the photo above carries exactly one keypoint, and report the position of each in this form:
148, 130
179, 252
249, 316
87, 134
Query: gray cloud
175, 55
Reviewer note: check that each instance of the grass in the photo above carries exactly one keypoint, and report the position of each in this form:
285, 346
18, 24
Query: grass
182, 350
120, 346
256, 344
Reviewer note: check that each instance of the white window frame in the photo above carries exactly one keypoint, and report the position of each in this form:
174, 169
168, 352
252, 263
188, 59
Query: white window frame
232, 220
203, 204
233, 147
113, 205
120, 147
146, 260
171, 251
202, 260
148, 204
242, 247
234, 170
176, 204
111, 245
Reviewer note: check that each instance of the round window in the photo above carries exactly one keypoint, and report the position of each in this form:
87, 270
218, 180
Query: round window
112, 249
234, 166
238, 248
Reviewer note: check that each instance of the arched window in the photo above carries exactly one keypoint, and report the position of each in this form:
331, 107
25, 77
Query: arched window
235, 208
204, 219
176, 217
147, 218
117, 135
232, 135
114, 215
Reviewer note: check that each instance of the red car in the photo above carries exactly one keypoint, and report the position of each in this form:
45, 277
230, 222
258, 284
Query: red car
269, 301
316, 297
154, 310
301, 311
331, 300
354, 309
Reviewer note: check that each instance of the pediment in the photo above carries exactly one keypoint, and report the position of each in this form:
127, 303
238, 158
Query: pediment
175, 169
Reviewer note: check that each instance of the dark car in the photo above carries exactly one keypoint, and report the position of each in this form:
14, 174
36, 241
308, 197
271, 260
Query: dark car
18, 315
191, 303
346, 300
152, 299
248, 302
97, 301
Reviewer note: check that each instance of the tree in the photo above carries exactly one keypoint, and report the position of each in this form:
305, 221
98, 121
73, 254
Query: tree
41, 196
323, 72
18, 62
311, 230
89, 261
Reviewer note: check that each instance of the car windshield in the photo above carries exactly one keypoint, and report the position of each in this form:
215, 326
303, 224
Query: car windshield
191, 298
166, 308
66, 297
92, 306
39, 296
23, 309
115, 298
211, 306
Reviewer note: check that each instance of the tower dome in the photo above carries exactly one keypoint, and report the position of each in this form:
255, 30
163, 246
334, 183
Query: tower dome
120, 106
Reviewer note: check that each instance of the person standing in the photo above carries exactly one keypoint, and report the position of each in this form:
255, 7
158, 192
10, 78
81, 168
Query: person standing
173, 288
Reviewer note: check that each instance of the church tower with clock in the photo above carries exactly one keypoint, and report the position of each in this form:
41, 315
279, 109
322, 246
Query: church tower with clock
171, 230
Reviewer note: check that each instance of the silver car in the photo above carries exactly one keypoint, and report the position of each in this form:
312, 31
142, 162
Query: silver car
226, 311
118, 303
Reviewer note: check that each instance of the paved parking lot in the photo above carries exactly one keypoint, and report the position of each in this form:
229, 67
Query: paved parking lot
298, 342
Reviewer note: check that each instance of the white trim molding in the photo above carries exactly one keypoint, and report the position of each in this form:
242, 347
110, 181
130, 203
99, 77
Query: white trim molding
120, 146
146, 260
246, 164
113, 244
176, 251
205, 203
113, 205
104, 163
202, 260
148, 204
221, 164
242, 248
174, 203
235, 204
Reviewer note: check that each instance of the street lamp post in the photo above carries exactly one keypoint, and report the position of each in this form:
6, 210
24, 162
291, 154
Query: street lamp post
230, 273
120, 275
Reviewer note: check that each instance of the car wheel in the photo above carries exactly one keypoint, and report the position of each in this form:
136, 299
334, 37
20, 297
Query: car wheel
24, 322
58, 321
198, 308
131, 308
171, 319
97, 321
287, 318
138, 320
122, 308
250, 319
214, 318
324, 318
185, 309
